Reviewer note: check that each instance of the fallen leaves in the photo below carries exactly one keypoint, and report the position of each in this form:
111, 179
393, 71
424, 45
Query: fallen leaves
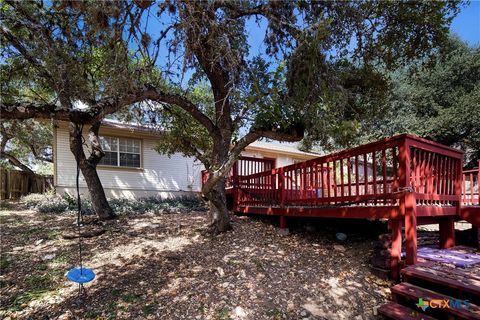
148, 267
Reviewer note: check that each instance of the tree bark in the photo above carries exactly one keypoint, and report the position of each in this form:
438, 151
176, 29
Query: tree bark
219, 216
97, 194
88, 167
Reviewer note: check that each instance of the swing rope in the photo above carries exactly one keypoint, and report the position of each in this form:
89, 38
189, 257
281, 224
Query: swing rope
81, 289
80, 274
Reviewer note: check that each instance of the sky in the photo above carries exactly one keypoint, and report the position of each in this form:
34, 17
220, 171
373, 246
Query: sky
467, 23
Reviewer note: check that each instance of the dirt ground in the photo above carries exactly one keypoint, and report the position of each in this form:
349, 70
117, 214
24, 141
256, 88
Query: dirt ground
162, 267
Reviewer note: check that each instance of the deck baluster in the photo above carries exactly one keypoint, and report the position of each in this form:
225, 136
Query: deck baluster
384, 173
357, 187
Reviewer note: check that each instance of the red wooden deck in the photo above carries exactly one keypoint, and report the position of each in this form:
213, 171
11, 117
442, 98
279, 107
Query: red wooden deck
406, 179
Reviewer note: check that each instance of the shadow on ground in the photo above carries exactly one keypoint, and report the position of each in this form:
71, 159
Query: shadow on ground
161, 267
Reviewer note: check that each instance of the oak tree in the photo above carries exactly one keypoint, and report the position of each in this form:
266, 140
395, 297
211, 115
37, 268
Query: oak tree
70, 61
224, 95
320, 60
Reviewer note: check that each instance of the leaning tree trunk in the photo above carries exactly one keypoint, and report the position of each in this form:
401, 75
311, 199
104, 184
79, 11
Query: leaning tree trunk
219, 216
97, 194
88, 167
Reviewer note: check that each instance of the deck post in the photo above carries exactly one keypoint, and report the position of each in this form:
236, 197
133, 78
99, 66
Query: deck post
235, 185
396, 250
281, 187
283, 222
475, 236
447, 224
411, 228
408, 203
447, 232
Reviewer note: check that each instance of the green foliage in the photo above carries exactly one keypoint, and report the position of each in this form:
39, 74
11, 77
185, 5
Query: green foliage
30, 142
352, 98
181, 132
33, 199
51, 203
312, 77
440, 101
5, 262
155, 205
54, 205
223, 314
149, 309
79, 53
4, 205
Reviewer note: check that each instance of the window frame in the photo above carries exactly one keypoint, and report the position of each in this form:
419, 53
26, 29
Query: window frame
118, 166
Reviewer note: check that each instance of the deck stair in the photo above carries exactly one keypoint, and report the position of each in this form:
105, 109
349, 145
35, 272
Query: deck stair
435, 282
397, 311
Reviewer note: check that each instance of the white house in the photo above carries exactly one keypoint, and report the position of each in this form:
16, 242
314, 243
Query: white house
132, 168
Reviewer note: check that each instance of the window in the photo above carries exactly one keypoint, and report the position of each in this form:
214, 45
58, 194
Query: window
120, 152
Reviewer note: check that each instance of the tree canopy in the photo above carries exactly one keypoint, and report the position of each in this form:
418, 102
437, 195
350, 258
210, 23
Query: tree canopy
27, 145
437, 98
192, 64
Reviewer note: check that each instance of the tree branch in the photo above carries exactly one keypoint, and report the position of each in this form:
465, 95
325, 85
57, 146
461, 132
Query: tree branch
186, 105
261, 10
97, 153
17, 44
38, 156
22, 111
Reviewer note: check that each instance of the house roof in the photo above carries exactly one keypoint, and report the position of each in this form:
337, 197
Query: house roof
285, 148
277, 147
130, 126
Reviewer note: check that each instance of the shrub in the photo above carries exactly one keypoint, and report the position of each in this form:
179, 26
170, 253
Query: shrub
4, 205
32, 200
52, 203
72, 203
45, 203
155, 205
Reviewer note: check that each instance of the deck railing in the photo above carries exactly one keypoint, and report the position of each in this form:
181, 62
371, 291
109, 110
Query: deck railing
470, 187
346, 176
377, 173
242, 167
435, 173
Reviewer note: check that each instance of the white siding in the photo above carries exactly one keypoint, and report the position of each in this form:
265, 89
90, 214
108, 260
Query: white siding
160, 173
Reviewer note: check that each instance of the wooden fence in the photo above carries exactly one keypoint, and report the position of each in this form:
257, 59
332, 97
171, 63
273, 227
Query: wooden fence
14, 184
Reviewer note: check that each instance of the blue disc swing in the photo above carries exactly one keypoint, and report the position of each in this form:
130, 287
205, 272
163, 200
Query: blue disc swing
80, 274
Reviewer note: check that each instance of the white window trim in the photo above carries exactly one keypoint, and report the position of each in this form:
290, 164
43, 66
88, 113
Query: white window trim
117, 151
